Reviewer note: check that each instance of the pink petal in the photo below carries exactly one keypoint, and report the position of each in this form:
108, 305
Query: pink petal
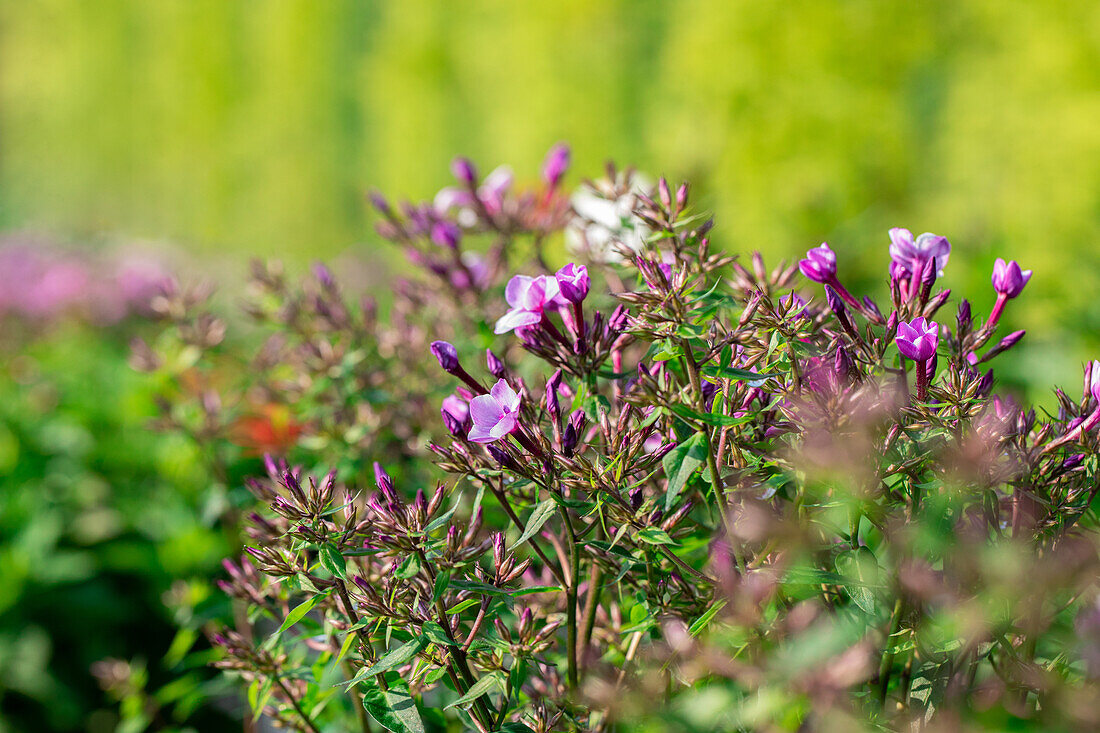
515, 319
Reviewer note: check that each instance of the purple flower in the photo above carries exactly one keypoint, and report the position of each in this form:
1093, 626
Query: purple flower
495, 414
918, 339
1008, 279
555, 165
529, 297
573, 282
495, 187
909, 256
820, 264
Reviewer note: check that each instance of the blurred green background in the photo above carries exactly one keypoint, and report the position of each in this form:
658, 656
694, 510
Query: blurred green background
253, 128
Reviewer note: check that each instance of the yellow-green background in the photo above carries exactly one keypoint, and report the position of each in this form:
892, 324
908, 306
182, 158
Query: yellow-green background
253, 127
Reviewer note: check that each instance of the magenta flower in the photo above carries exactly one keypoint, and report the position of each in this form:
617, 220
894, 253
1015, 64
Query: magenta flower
918, 339
529, 298
555, 165
820, 264
1008, 279
910, 255
573, 282
495, 415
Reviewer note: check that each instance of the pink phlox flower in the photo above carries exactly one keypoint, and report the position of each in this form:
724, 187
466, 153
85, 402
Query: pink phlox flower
529, 297
495, 415
909, 254
918, 339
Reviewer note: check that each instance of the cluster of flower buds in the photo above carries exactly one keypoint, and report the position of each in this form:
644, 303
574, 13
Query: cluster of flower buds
432, 233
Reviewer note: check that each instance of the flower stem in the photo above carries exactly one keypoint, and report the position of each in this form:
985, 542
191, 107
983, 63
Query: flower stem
571, 595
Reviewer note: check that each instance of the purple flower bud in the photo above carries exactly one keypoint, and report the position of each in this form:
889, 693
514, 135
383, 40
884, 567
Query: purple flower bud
819, 264
447, 355
501, 457
552, 386
454, 426
378, 201
446, 234
384, 483
836, 305
617, 322
842, 364
682, 196
918, 339
1073, 461
464, 170
963, 318
1010, 340
986, 383
573, 282
555, 165
494, 364
1092, 380
456, 407
1008, 279
495, 415
323, 274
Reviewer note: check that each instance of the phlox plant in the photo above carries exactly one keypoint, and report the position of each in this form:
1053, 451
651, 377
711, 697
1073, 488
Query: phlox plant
670, 490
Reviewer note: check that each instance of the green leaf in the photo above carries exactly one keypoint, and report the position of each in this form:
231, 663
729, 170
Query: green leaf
538, 518
333, 561
460, 607
681, 462
408, 568
300, 611
391, 660
393, 709
702, 621
666, 352
441, 520
485, 685
514, 728
442, 582
654, 536
736, 374
436, 634
860, 566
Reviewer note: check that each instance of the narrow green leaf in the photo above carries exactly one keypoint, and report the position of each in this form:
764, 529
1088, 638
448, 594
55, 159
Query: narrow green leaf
702, 621
538, 517
485, 685
681, 462
300, 611
460, 607
723, 421
391, 660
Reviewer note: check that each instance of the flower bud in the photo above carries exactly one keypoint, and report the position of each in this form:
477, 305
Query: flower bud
555, 165
494, 364
464, 171
446, 234
447, 355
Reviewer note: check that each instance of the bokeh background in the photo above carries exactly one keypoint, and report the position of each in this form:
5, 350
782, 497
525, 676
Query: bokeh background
231, 129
